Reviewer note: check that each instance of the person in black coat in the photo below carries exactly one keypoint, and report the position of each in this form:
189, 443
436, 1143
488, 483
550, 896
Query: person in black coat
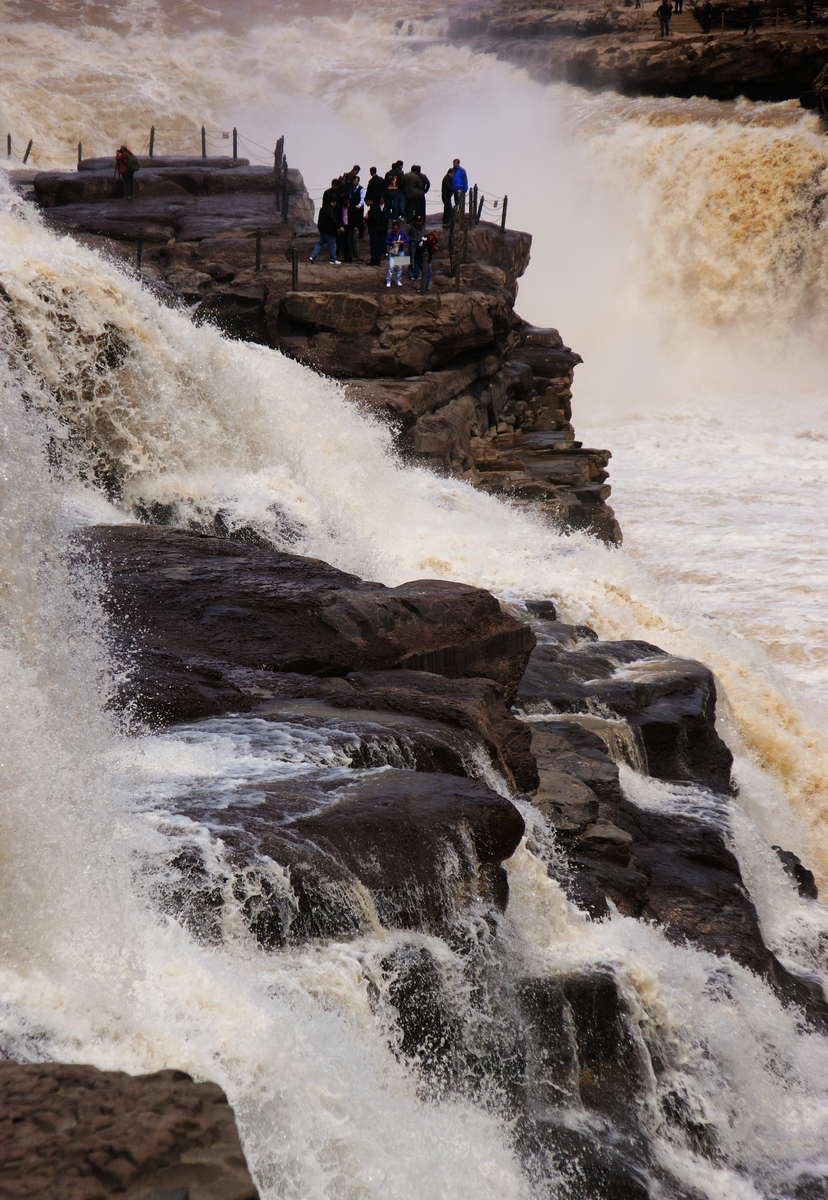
377, 222
752, 17
329, 229
447, 196
376, 188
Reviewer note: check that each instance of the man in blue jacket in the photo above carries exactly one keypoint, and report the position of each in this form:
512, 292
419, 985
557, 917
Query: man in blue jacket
459, 181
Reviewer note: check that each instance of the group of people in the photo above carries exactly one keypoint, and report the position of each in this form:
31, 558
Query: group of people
666, 9
392, 208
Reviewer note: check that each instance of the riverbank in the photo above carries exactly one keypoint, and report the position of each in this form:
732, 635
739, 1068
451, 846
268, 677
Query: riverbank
618, 48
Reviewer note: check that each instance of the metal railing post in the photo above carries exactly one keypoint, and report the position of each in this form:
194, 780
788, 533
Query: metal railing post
28, 150
152, 142
203, 142
80, 154
235, 143
503, 214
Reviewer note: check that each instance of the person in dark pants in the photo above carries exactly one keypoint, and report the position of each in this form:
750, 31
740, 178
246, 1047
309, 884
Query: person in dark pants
376, 188
679, 6
329, 229
447, 196
394, 197
415, 186
417, 235
706, 16
752, 17
125, 164
664, 12
426, 250
459, 181
377, 222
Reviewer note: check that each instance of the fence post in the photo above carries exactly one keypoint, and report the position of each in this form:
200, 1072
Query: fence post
8, 145
452, 245
258, 249
235, 143
285, 191
80, 154
503, 214
479, 209
203, 142
152, 141
28, 150
139, 257
473, 213
294, 274
464, 225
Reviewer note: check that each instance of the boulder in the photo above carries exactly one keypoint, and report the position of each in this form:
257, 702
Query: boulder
410, 849
217, 600
341, 312
670, 702
68, 1132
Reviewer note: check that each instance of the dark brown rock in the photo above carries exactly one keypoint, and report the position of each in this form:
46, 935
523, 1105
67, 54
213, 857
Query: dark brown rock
670, 702
76, 1133
219, 601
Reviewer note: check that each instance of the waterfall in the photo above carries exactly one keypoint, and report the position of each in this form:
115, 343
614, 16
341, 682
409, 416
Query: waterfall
114, 406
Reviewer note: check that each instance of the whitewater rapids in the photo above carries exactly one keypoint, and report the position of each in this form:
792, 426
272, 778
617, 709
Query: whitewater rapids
680, 247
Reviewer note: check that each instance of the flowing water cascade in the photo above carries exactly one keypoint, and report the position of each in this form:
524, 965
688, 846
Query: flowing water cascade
345, 1081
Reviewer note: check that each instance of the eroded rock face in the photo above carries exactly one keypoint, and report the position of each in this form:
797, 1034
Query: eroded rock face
76, 1133
207, 601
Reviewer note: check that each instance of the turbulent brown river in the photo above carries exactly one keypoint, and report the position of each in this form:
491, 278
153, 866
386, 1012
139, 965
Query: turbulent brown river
682, 249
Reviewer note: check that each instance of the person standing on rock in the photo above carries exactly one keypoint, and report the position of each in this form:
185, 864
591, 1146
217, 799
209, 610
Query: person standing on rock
752, 17
426, 250
459, 182
706, 16
395, 244
377, 222
126, 164
356, 217
329, 228
447, 196
376, 188
417, 235
394, 198
415, 186
664, 12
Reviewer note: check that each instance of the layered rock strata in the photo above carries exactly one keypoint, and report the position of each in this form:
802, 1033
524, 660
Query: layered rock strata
617, 48
469, 389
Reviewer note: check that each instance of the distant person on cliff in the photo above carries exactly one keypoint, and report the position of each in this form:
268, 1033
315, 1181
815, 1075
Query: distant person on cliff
356, 217
459, 182
333, 190
415, 187
417, 235
377, 222
329, 228
376, 187
426, 250
706, 16
447, 195
395, 245
126, 164
752, 17
664, 12
394, 197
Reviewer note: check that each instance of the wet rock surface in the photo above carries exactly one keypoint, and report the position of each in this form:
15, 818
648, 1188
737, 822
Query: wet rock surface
195, 602
76, 1133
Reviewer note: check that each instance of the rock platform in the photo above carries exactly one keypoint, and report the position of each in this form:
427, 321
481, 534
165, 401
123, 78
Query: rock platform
618, 48
469, 389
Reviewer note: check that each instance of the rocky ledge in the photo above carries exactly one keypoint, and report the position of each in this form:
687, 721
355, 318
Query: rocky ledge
618, 48
468, 388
